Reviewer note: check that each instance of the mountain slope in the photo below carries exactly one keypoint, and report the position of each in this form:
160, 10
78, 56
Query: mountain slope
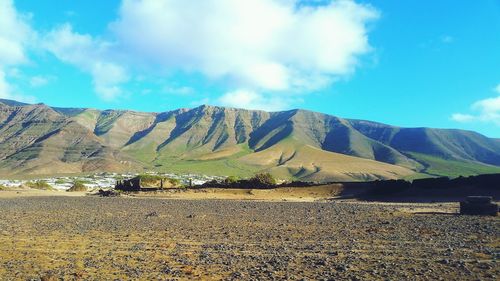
291, 159
294, 144
38, 140
448, 144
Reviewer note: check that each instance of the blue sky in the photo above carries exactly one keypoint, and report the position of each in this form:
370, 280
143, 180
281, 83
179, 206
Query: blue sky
407, 63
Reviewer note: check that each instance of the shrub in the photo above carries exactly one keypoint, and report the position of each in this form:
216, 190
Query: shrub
155, 181
174, 182
231, 180
149, 178
39, 184
264, 179
59, 181
78, 186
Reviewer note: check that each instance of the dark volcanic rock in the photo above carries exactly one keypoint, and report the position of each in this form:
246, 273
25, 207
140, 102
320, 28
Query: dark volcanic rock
129, 238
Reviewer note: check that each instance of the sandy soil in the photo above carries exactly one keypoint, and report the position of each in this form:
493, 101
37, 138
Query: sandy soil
17, 193
294, 194
92, 238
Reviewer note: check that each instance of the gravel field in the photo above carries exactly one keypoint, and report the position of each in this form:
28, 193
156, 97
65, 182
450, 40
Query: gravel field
90, 238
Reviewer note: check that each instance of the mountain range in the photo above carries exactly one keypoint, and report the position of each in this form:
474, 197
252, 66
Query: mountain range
36, 139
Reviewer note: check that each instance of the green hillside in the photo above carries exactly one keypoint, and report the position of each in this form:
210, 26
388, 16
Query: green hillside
450, 168
293, 144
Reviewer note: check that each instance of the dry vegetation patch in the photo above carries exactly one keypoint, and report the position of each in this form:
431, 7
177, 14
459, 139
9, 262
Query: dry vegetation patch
78, 186
39, 184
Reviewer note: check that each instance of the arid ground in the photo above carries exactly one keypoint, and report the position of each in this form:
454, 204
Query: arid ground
49, 237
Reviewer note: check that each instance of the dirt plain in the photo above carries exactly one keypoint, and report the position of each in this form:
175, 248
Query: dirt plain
61, 236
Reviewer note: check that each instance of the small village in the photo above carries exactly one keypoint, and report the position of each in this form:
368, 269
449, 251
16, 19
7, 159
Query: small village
104, 181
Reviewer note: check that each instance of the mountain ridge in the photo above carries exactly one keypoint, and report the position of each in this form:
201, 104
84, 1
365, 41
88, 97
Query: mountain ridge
296, 144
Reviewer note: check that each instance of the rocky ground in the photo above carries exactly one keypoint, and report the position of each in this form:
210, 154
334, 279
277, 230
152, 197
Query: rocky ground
92, 238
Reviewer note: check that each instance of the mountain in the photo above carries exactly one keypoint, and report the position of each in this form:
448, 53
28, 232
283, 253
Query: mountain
294, 144
35, 139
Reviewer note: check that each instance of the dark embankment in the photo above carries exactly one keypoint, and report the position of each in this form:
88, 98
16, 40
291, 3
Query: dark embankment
433, 189
441, 189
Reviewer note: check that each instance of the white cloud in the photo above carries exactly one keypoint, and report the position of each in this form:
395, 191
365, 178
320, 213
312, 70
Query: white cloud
463, 118
487, 110
272, 48
264, 45
7, 91
15, 36
243, 98
107, 76
91, 55
39, 81
4, 86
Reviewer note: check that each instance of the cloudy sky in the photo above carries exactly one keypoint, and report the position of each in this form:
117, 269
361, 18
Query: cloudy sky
407, 63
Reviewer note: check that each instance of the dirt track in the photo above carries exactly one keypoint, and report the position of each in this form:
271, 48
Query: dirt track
156, 239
